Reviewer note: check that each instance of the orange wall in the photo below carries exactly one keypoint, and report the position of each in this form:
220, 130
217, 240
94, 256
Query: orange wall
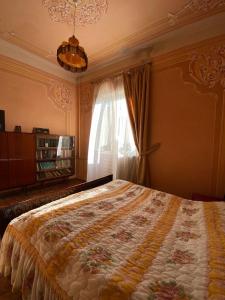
187, 112
32, 98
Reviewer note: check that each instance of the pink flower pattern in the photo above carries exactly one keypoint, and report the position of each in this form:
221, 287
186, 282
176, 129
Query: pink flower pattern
190, 212
181, 257
123, 235
56, 230
140, 220
149, 210
157, 202
86, 214
105, 205
186, 235
167, 291
189, 223
95, 259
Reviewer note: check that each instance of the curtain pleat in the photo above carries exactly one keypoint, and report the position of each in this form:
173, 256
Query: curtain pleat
137, 91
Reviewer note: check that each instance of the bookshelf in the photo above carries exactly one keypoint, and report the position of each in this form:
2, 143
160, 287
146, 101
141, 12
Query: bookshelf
55, 156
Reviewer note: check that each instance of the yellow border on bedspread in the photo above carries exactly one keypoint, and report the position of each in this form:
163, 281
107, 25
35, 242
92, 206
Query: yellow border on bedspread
24, 239
124, 281
38, 222
216, 252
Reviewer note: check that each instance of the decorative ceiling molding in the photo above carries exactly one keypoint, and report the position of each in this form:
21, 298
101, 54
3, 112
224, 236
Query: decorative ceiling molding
197, 8
27, 57
87, 11
160, 62
59, 92
193, 11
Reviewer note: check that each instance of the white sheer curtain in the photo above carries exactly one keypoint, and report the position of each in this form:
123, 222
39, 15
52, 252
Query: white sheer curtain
111, 144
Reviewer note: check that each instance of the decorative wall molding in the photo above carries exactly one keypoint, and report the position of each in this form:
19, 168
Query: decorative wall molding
61, 93
207, 67
201, 66
14, 47
86, 91
86, 97
193, 11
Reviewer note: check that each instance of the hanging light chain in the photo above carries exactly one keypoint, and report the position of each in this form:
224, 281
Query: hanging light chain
74, 19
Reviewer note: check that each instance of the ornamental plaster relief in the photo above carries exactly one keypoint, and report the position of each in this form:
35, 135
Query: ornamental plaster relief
60, 95
196, 8
207, 67
86, 97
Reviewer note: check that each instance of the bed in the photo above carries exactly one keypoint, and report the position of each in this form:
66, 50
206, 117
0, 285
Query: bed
118, 241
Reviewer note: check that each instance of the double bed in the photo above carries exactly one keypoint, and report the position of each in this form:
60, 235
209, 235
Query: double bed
118, 241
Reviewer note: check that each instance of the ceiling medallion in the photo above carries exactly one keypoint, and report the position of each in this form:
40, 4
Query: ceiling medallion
87, 11
70, 55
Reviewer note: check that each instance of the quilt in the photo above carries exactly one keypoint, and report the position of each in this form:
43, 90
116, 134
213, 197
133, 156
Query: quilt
119, 241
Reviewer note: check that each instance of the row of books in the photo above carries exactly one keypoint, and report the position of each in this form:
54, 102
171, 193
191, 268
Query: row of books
53, 174
46, 165
53, 164
63, 163
64, 142
53, 153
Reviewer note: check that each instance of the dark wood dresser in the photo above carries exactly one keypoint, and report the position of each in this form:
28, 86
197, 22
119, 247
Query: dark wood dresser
17, 159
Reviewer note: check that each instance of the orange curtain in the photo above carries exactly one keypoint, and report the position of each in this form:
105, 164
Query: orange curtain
137, 91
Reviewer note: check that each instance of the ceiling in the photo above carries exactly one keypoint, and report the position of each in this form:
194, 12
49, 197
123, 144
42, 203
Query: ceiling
128, 25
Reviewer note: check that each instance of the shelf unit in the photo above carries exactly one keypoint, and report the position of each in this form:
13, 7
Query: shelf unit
55, 156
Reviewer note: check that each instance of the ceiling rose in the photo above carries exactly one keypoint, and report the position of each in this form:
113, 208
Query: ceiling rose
87, 11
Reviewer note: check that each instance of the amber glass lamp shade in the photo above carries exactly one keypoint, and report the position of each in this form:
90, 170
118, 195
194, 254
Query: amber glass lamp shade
71, 56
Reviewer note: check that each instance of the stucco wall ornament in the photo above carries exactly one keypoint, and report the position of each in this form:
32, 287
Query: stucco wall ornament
207, 68
61, 96
87, 11
86, 97
195, 7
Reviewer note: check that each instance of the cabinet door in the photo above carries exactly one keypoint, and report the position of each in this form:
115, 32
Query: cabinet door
21, 159
4, 163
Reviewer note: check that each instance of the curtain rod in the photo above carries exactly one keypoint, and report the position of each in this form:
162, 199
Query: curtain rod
126, 70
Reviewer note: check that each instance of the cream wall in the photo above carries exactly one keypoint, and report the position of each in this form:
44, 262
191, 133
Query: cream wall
33, 98
187, 118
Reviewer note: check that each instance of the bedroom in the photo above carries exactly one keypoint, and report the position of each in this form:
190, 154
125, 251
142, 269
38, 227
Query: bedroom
180, 42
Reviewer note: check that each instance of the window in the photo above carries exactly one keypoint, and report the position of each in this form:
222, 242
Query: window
111, 144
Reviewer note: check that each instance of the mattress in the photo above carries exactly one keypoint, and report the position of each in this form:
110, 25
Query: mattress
118, 241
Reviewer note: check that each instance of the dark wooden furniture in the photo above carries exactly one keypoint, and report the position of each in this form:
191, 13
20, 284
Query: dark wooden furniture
17, 159
199, 197
4, 161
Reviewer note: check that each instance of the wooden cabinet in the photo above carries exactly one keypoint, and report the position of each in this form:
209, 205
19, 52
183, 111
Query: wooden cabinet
4, 161
17, 163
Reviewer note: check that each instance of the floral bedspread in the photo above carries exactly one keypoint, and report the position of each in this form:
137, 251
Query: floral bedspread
119, 241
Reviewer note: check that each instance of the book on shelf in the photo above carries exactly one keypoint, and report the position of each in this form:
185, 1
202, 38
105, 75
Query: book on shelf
55, 156
54, 174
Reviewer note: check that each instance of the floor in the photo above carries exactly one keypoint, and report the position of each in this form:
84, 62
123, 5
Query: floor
15, 197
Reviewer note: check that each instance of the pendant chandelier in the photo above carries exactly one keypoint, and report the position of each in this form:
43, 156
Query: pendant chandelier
70, 55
